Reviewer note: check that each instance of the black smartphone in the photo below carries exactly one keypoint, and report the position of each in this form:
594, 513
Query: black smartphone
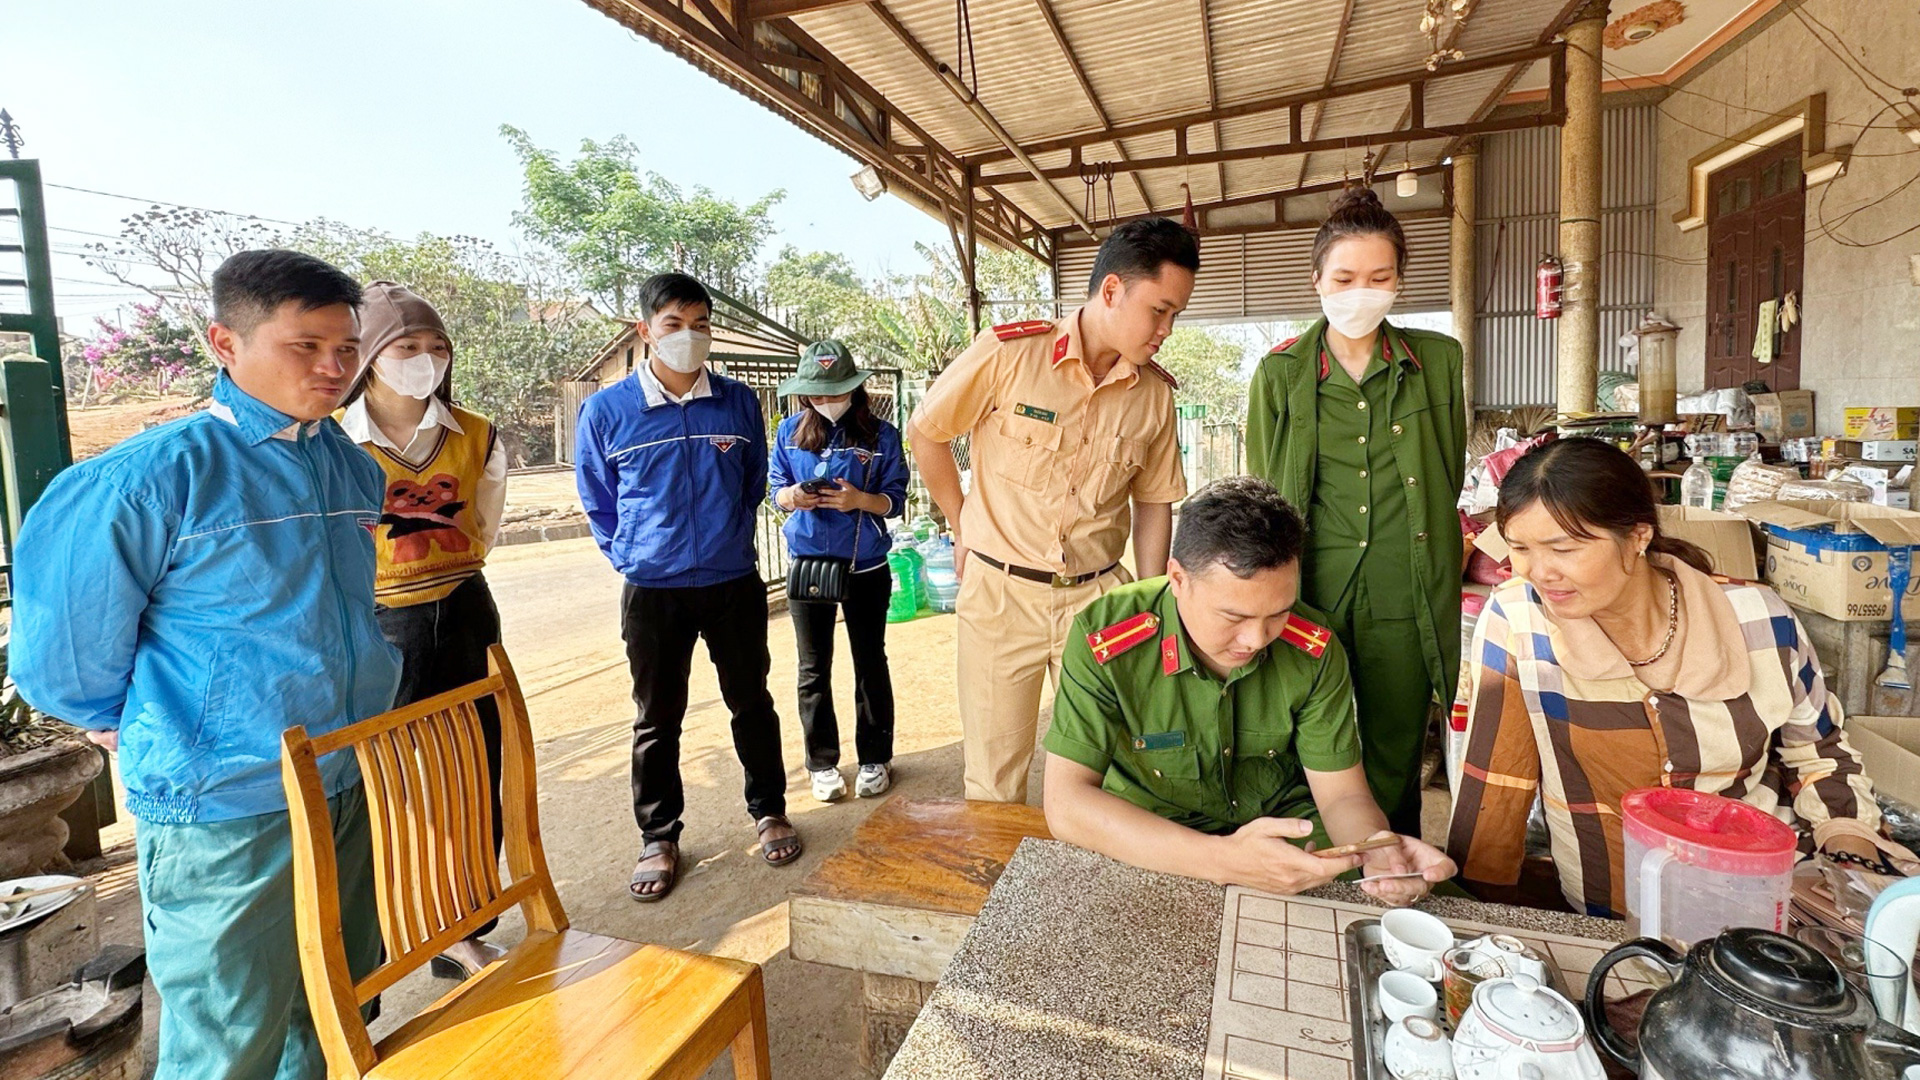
816, 487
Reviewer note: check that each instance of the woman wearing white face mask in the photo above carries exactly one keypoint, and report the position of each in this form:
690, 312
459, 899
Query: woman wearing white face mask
1363, 423
838, 471
446, 488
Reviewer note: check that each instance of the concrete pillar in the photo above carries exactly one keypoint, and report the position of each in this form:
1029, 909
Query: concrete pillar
1462, 271
1579, 352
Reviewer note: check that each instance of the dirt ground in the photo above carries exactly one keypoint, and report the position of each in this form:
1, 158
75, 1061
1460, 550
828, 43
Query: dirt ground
98, 427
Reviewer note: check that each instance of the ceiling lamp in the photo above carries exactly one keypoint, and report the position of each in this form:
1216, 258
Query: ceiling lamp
1643, 23
1407, 184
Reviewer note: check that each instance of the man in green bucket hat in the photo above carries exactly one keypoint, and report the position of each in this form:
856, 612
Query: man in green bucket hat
839, 472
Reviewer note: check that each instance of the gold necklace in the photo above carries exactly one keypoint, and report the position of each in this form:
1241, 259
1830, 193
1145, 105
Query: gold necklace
1673, 624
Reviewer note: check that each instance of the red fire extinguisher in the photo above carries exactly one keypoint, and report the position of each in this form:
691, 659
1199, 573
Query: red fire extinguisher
1546, 288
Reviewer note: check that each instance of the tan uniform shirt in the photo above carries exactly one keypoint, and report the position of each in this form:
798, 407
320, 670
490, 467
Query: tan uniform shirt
1056, 457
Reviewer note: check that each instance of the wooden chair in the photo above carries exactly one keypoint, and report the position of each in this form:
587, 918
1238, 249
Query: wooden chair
562, 1003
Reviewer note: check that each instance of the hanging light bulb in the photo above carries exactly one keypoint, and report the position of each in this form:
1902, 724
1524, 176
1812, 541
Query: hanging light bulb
1407, 184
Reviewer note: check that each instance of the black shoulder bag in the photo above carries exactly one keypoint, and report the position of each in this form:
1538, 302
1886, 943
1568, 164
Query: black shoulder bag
823, 578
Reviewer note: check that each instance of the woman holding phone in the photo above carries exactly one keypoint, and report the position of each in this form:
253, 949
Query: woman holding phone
839, 472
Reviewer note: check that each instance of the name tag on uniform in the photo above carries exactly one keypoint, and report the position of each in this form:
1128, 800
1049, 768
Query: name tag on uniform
1034, 412
1160, 740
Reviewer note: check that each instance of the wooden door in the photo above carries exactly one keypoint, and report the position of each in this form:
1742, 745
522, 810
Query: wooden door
1755, 247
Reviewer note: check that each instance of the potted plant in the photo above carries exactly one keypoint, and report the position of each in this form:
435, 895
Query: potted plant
44, 766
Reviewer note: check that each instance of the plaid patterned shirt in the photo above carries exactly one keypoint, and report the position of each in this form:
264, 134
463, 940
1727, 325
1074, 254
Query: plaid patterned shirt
1551, 710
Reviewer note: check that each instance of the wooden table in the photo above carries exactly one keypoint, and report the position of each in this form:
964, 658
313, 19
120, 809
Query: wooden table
897, 900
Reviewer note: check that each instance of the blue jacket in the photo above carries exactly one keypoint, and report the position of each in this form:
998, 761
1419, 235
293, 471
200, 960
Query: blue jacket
201, 588
882, 470
671, 491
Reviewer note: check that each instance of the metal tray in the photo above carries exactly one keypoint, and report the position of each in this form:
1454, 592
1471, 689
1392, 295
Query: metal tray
1366, 962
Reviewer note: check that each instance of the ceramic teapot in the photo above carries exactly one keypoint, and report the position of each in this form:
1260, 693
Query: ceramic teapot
1750, 1004
1521, 1029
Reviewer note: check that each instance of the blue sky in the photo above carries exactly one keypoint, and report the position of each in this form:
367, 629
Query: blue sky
384, 114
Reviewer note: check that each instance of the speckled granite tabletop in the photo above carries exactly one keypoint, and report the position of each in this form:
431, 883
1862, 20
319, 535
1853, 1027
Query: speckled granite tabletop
1083, 968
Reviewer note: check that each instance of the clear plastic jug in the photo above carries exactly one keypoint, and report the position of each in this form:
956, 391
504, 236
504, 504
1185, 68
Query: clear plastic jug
1697, 864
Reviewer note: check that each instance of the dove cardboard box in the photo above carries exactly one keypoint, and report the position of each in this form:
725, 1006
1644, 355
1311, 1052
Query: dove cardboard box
1831, 557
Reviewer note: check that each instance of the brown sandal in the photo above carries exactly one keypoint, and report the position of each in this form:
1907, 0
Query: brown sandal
789, 844
665, 878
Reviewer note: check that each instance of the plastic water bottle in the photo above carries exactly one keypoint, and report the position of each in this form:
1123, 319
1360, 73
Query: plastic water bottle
923, 529
904, 564
1696, 485
942, 584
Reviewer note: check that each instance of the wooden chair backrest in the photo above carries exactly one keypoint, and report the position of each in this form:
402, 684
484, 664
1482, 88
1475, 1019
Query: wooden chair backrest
428, 794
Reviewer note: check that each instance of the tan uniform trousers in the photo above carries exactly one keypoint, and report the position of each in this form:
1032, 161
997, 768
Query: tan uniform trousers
1012, 634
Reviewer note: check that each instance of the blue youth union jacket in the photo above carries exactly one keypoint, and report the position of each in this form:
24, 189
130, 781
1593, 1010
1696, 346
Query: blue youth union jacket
880, 469
671, 491
201, 588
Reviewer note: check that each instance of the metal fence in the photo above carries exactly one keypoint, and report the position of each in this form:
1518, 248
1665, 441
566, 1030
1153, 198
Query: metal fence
1211, 450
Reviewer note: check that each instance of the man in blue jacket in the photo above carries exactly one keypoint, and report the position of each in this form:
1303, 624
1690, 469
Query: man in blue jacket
672, 468
188, 596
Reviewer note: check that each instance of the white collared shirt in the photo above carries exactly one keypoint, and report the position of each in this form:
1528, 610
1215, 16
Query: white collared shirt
658, 395
489, 502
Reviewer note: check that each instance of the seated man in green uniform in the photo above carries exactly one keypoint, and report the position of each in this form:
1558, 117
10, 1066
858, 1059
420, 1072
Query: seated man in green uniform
1204, 726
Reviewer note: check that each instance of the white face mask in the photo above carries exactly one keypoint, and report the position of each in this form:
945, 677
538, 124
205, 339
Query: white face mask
416, 376
684, 351
1355, 312
833, 410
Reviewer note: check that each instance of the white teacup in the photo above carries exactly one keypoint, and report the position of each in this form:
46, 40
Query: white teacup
1404, 994
1416, 1049
1509, 955
1415, 941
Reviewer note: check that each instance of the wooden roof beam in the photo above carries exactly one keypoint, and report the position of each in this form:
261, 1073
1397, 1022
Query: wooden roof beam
1213, 91
966, 97
1086, 87
1333, 72
1174, 124
1251, 153
762, 10
1275, 197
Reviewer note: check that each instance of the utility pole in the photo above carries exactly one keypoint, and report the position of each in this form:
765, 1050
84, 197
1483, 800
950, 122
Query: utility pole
10, 135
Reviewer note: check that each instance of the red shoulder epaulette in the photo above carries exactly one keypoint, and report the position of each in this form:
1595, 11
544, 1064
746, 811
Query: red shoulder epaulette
1287, 344
1309, 637
1027, 328
1123, 635
1163, 373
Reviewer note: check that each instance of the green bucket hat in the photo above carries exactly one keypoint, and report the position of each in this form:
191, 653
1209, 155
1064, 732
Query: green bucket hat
826, 369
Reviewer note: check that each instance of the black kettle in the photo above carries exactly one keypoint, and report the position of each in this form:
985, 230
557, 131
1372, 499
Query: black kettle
1751, 1005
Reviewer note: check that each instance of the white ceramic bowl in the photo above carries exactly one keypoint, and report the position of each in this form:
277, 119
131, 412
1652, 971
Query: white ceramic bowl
1416, 1049
1415, 941
1404, 994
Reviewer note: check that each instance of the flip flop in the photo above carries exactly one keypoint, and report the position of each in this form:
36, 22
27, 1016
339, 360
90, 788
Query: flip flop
666, 878
768, 847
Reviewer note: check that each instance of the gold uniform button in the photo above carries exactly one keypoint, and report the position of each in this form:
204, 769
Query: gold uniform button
1413, 481
1362, 439
1422, 537
1270, 753
1156, 774
1363, 509
1363, 543
1363, 474
1396, 429
1228, 752
1234, 803
1363, 406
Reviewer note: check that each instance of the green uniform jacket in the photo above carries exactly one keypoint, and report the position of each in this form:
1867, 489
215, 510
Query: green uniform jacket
1429, 446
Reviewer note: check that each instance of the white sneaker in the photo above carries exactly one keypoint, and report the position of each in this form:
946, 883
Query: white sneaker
873, 780
828, 785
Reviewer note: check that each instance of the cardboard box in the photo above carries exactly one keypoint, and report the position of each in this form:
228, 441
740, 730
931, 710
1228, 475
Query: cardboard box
1782, 416
1831, 557
1727, 538
1875, 449
1889, 748
1889, 488
1883, 422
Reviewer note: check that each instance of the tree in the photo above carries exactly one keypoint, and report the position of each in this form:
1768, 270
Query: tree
509, 350
925, 319
158, 354
614, 227
1209, 369
186, 246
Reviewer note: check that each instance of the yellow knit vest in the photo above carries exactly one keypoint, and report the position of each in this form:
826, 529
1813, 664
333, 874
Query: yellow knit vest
427, 540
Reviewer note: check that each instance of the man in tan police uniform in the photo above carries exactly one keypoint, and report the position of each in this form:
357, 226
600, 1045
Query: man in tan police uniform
1073, 440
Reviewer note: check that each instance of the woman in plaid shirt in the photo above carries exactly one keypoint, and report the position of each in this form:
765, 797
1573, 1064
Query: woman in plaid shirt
1615, 660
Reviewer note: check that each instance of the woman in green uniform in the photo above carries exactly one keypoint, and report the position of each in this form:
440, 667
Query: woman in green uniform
1363, 423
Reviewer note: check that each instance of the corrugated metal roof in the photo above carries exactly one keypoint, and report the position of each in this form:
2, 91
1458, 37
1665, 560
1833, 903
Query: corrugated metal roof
1147, 61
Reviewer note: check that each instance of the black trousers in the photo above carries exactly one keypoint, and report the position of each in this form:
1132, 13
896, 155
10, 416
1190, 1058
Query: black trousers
443, 646
866, 615
660, 627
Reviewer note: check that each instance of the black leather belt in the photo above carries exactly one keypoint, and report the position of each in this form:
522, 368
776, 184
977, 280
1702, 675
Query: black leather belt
1044, 577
